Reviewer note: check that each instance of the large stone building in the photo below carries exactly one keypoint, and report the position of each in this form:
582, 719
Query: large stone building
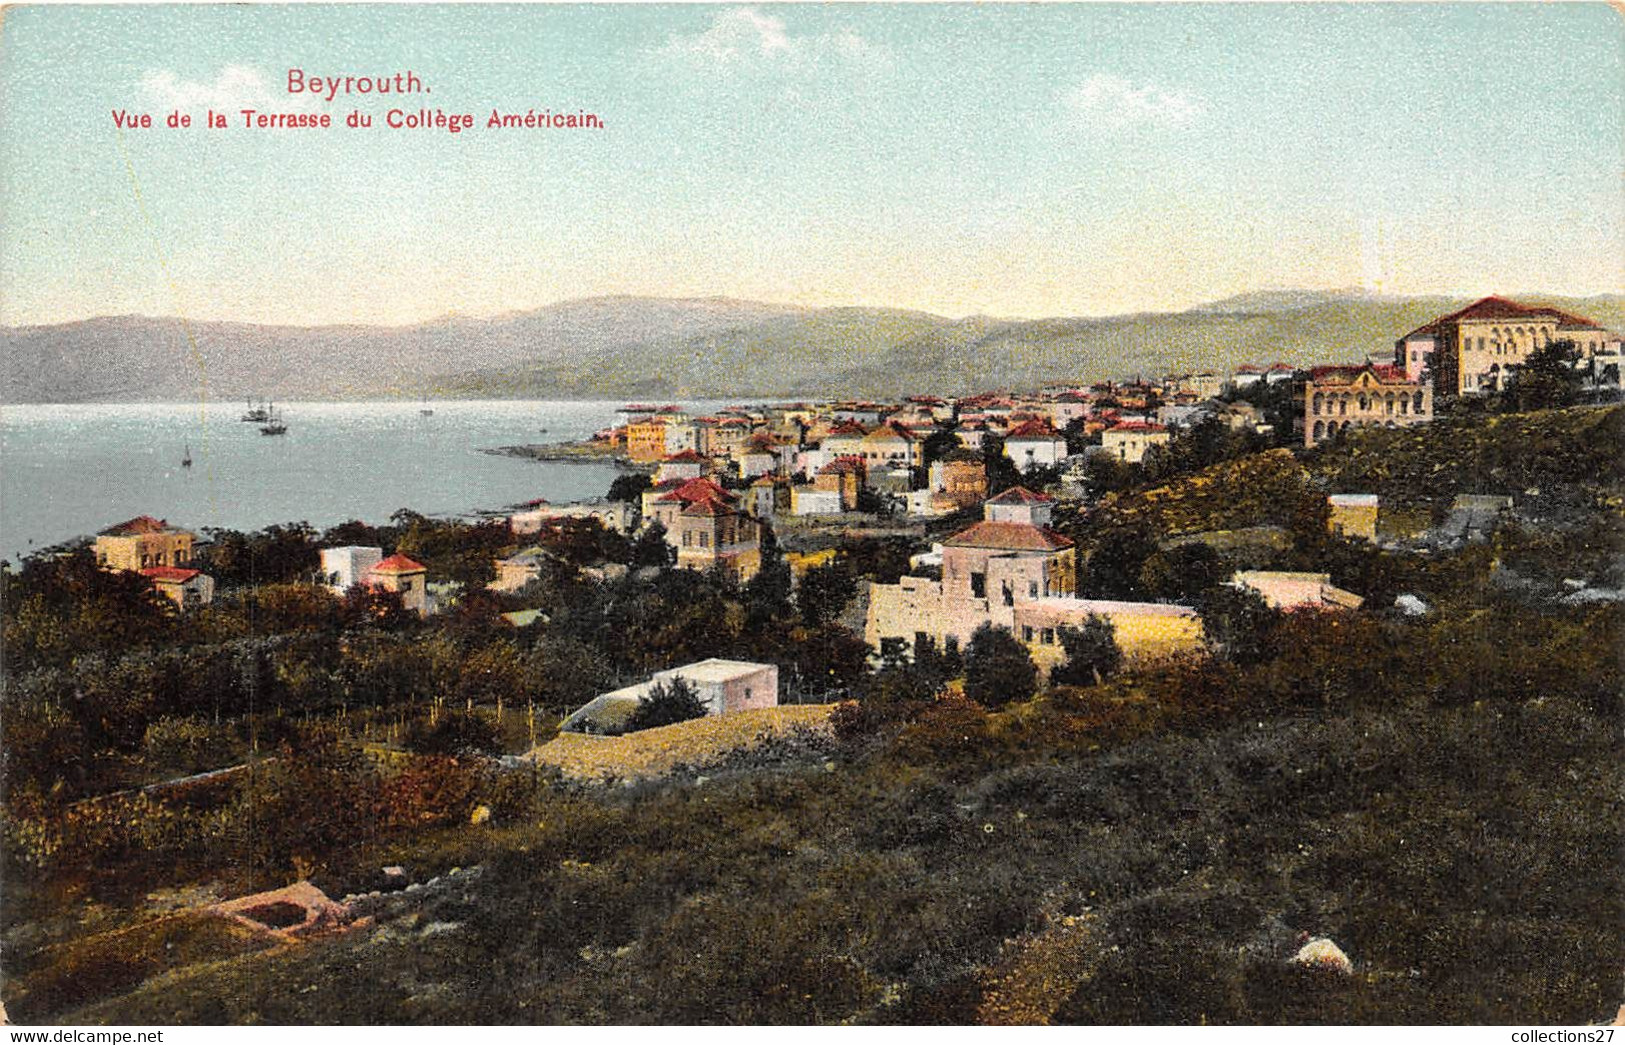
958, 481
343, 568
612, 515
159, 552
1469, 351
1336, 398
646, 439
1291, 590
143, 542
1012, 571
1131, 440
704, 523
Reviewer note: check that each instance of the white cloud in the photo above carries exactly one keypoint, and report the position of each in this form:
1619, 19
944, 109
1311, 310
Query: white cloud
745, 36
237, 87
1111, 101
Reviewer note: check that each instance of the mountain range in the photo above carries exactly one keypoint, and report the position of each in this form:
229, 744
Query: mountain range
701, 348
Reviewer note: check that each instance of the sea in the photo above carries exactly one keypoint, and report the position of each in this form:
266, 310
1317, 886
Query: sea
70, 470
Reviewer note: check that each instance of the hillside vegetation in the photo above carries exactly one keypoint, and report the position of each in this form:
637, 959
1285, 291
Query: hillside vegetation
1499, 454
1439, 793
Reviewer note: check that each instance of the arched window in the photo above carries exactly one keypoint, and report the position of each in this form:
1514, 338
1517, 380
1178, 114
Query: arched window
1418, 401
1387, 404
1317, 400
1343, 405
1364, 405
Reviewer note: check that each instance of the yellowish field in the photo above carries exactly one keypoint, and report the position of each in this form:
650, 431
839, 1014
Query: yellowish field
655, 752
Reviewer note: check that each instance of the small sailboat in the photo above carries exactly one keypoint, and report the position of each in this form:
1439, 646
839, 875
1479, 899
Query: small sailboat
426, 410
186, 457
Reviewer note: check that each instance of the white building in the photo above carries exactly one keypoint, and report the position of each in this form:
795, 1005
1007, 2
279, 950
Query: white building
804, 500
344, 568
723, 686
614, 515
1034, 444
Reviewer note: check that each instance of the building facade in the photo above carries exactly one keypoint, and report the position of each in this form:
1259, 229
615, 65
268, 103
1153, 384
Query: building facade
405, 577
143, 542
1469, 351
1012, 571
1336, 398
1131, 440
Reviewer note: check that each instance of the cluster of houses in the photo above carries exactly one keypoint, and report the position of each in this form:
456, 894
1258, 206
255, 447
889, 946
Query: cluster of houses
721, 479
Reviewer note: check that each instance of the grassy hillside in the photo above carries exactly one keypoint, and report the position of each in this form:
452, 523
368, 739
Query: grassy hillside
1459, 843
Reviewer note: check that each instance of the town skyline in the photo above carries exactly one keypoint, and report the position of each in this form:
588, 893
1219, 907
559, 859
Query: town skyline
1009, 162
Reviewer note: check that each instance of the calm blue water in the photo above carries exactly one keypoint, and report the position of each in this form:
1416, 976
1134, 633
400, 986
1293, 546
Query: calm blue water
72, 470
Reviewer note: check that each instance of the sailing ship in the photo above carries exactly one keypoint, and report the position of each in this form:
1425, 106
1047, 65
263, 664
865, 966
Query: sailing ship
426, 410
274, 425
186, 458
257, 414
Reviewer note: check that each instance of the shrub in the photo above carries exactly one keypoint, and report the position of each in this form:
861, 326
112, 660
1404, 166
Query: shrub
454, 733
667, 705
998, 668
1092, 654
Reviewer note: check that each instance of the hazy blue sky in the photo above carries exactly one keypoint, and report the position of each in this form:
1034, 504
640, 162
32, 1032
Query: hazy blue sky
1011, 160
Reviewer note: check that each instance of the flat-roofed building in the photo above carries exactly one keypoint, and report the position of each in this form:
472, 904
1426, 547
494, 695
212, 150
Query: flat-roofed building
723, 686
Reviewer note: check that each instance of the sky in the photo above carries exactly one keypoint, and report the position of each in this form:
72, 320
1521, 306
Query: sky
1006, 160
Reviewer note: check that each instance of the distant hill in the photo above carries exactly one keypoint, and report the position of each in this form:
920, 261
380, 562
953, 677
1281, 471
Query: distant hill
615, 347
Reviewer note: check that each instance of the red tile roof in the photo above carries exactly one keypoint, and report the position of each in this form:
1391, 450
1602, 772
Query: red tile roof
1033, 430
141, 524
891, 432
1021, 495
1385, 373
399, 563
708, 506
697, 490
174, 574
1494, 307
685, 457
841, 465
1009, 536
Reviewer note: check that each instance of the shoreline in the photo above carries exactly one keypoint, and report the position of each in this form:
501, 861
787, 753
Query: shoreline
576, 452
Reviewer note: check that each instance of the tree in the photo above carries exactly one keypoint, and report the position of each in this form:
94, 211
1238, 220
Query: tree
629, 487
1114, 567
767, 595
1182, 572
275, 554
1002, 473
667, 704
652, 549
1077, 435
1547, 380
998, 668
937, 445
1238, 624
1092, 654
824, 592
